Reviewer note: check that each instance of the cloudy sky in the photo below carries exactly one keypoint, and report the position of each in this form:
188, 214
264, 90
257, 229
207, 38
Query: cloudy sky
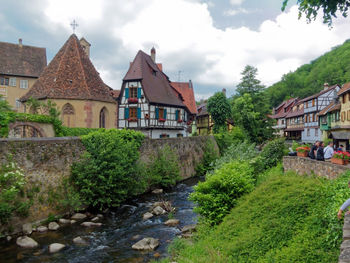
207, 41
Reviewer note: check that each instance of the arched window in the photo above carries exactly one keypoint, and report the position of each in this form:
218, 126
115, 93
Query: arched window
103, 117
68, 115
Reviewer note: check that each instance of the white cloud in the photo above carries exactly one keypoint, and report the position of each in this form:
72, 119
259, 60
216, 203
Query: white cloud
236, 2
233, 12
187, 40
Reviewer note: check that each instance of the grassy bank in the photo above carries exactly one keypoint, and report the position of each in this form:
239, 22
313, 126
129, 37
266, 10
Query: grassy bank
286, 218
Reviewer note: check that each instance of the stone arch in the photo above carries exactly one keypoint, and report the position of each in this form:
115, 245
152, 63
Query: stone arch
103, 118
68, 115
25, 130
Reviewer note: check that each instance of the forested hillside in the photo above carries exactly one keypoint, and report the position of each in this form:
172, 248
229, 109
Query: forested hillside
333, 68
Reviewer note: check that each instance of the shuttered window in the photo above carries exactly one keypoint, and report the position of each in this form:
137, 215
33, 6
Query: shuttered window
126, 113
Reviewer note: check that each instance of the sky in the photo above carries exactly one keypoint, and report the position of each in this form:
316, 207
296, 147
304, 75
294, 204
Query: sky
207, 41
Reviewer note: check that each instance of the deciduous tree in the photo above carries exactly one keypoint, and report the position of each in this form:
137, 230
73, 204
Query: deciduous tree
220, 110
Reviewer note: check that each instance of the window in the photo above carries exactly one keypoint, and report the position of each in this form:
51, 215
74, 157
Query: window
348, 115
282, 122
343, 116
24, 84
18, 104
133, 113
68, 117
313, 102
164, 135
316, 132
161, 113
13, 82
133, 92
179, 135
308, 132
4, 81
337, 116
313, 117
306, 104
103, 117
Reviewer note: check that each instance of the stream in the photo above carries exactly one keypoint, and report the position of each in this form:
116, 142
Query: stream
112, 241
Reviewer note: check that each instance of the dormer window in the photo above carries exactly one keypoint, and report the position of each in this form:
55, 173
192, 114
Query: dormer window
154, 73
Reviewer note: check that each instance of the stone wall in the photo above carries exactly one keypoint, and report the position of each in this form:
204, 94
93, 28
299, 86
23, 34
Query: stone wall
47, 161
304, 165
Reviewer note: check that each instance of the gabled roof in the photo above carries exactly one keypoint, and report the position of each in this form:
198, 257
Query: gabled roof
70, 75
155, 83
345, 88
20, 60
202, 109
333, 106
186, 90
297, 112
283, 105
320, 93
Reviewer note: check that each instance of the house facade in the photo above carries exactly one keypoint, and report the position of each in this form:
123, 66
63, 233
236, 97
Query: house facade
20, 67
148, 102
329, 119
295, 122
72, 82
312, 106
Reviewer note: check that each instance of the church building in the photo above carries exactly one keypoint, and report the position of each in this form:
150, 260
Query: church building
72, 82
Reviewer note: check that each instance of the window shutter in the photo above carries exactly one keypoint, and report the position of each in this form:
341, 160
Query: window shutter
177, 115
165, 114
126, 113
127, 93
138, 93
157, 113
139, 113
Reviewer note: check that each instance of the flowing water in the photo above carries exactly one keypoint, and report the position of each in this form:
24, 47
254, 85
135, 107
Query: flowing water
112, 241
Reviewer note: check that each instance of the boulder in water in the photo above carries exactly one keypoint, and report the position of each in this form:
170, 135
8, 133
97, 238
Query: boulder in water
53, 226
95, 219
147, 215
79, 241
26, 242
42, 229
157, 191
55, 247
78, 216
188, 228
64, 221
172, 222
158, 211
147, 243
90, 224
27, 229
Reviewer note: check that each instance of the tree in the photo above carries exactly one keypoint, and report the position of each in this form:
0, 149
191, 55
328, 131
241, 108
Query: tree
220, 110
249, 83
4, 105
329, 7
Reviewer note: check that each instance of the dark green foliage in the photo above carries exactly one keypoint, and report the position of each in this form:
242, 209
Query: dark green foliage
209, 156
220, 110
67, 131
329, 9
249, 83
4, 105
333, 68
287, 218
225, 139
107, 173
219, 193
163, 168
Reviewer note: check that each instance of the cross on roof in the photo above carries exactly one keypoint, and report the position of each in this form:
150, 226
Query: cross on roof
74, 25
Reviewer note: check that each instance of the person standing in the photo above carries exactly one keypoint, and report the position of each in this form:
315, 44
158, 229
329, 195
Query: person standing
312, 153
328, 151
320, 154
344, 206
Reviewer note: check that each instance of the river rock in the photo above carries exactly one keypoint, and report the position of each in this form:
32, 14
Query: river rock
26, 242
78, 216
157, 191
8, 238
90, 224
27, 229
147, 243
95, 219
188, 228
172, 222
64, 221
55, 247
158, 211
99, 216
53, 226
42, 229
79, 241
147, 215
136, 237
73, 221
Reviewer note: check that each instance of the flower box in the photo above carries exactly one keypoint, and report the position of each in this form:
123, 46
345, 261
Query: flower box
302, 154
132, 119
179, 121
161, 120
133, 100
338, 161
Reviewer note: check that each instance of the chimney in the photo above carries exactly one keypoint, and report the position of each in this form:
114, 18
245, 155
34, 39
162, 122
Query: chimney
325, 86
20, 42
190, 84
153, 54
86, 46
224, 91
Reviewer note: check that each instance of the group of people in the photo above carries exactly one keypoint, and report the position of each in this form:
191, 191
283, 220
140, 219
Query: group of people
321, 153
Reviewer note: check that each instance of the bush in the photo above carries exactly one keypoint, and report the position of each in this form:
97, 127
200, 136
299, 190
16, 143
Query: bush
107, 173
12, 183
209, 156
219, 193
67, 131
163, 169
226, 139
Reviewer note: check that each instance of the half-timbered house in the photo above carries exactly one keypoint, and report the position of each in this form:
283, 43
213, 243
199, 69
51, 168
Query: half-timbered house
148, 102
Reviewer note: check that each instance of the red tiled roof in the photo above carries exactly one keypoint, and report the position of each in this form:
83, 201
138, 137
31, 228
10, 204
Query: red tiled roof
70, 75
345, 88
296, 113
21, 60
115, 93
186, 90
155, 83
285, 105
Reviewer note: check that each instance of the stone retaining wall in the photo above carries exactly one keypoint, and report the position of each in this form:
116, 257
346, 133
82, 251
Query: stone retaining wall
305, 165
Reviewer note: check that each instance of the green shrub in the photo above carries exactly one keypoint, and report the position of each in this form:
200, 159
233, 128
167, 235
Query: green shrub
67, 131
209, 156
225, 139
12, 183
219, 193
107, 173
163, 168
